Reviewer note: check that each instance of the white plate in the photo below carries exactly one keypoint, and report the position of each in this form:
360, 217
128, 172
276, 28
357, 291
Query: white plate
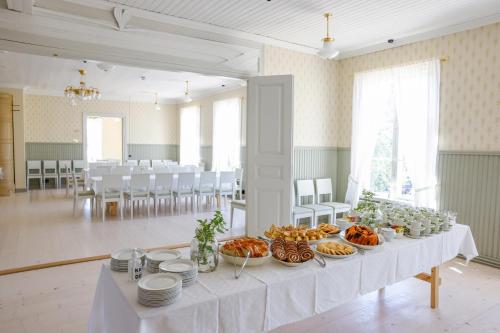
335, 256
364, 247
290, 264
251, 261
178, 266
159, 281
125, 254
163, 255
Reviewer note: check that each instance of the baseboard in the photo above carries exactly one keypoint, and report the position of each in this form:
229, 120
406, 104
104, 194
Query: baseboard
20, 190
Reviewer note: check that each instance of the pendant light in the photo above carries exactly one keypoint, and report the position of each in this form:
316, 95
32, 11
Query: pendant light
157, 105
187, 98
328, 51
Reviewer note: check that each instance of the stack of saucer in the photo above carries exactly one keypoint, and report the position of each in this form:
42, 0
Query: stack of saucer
154, 258
159, 289
120, 258
185, 268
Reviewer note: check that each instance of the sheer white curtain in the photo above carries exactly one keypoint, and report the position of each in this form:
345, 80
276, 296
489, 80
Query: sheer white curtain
371, 99
190, 135
226, 135
412, 92
417, 88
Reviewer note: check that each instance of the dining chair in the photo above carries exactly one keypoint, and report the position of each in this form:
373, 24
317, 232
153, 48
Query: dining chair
324, 196
238, 176
63, 166
206, 187
72, 176
156, 163
236, 204
111, 190
123, 170
300, 213
305, 192
131, 163
226, 186
82, 195
162, 189
184, 189
34, 171
50, 171
138, 191
78, 167
145, 163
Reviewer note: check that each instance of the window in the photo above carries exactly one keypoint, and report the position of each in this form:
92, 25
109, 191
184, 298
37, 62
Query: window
395, 125
190, 135
226, 135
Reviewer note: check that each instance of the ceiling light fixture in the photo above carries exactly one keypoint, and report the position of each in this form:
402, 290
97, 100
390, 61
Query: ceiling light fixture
157, 105
187, 98
81, 92
328, 51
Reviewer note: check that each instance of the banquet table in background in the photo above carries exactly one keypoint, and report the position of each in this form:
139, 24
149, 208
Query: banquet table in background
272, 295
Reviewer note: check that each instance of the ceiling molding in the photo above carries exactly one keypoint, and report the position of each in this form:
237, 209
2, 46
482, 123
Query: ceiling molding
421, 36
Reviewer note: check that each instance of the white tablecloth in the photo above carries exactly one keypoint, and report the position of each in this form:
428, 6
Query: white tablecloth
272, 295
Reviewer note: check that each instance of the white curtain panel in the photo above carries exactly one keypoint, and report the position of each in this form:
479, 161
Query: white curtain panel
371, 100
417, 93
412, 92
190, 135
226, 135
94, 139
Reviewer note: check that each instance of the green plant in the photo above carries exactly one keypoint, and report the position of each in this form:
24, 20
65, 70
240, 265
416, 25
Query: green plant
205, 234
367, 203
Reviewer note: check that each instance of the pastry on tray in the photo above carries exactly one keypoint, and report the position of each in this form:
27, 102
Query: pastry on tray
328, 228
291, 251
239, 247
362, 235
291, 233
335, 248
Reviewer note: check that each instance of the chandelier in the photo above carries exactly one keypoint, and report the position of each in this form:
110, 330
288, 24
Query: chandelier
81, 92
187, 98
328, 51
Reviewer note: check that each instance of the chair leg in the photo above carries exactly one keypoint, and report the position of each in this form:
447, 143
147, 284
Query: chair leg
156, 202
121, 208
91, 207
74, 205
103, 210
231, 218
131, 209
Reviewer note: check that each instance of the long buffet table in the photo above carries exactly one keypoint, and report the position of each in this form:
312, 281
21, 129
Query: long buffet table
272, 295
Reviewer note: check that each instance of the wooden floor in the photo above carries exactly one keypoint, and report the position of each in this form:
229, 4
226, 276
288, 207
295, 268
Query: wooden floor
39, 227
59, 300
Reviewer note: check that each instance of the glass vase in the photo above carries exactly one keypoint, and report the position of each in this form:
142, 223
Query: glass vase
205, 255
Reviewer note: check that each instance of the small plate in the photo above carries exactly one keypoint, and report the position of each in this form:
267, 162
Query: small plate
163, 255
178, 266
126, 254
159, 281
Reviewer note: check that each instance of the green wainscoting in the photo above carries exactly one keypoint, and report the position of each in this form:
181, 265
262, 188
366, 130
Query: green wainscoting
153, 152
469, 183
54, 151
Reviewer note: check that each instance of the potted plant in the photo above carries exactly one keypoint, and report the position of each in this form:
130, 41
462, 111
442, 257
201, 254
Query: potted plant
204, 246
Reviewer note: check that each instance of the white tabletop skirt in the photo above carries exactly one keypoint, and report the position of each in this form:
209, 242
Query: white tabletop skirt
272, 295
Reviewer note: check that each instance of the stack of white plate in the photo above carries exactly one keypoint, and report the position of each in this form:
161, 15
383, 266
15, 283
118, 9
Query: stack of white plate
120, 258
186, 269
159, 289
154, 258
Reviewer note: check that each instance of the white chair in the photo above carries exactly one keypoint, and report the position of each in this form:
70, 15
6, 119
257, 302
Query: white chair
145, 163
206, 187
111, 190
131, 163
324, 190
236, 204
123, 170
185, 189
299, 213
82, 195
78, 166
156, 163
138, 191
34, 171
72, 176
50, 171
63, 167
226, 186
163, 189
305, 191
238, 176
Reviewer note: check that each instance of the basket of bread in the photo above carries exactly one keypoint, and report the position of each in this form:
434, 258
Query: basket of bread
291, 233
236, 251
291, 253
362, 237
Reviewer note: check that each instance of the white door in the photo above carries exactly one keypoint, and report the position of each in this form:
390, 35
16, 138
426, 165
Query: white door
269, 152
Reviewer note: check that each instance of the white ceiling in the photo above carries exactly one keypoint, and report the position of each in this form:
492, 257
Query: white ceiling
50, 75
356, 24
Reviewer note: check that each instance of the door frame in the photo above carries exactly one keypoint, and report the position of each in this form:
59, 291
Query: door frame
121, 115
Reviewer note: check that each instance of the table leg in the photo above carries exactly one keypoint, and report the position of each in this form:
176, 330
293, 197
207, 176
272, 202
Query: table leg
435, 287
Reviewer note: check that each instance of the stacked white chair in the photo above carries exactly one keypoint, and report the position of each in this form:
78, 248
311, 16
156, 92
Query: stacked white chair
111, 191
34, 171
131, 163
78, 166
184, 189
156, 163
82, 195
206, 187
64, 166
324, 189
138, 191
123, 170
145, 163
163, 189
226, 185
305, 191
50, 171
